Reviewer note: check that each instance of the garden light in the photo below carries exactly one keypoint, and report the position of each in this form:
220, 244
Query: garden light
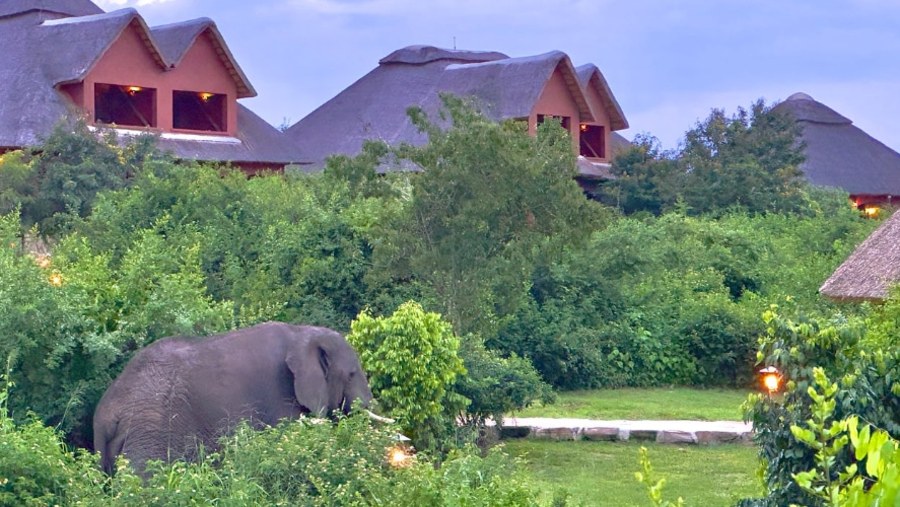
771, 379
399, 456
56, 279
871, 211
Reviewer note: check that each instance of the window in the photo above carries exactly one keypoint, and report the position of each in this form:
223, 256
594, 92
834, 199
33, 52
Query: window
199, 111
564, 121
593, 141
130, 106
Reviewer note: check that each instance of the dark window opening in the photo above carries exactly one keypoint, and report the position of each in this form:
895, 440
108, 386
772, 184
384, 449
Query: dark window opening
564, 121
130, 106
593, 141
199, 111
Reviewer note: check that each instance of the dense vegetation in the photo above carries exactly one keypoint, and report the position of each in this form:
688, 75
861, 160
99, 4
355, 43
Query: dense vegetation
520, 281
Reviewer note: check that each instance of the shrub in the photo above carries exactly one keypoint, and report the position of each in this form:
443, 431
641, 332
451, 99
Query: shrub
36, 469
867, 363
496, 385
412, 359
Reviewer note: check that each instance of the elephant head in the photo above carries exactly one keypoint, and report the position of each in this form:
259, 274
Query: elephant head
327, 373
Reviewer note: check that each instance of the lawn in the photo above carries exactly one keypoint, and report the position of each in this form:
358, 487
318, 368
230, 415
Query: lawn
660, 403
602, 473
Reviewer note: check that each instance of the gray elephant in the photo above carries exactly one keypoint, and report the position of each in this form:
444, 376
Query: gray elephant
179, 392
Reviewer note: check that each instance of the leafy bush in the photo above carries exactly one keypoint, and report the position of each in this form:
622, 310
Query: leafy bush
873, 476
412, 360
857, 352
496, 385
36, 468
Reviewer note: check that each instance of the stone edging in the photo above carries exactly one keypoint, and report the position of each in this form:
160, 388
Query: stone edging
670, 432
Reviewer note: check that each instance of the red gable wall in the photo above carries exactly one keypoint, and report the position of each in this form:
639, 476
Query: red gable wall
556, 99
129, 62
601, 115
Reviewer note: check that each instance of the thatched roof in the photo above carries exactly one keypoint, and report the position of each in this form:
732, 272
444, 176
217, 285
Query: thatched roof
50, 43
50, 8
590, 76
617, 144
871, 269
838, 154
374, 107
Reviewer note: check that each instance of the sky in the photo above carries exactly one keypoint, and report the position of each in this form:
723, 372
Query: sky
668, 62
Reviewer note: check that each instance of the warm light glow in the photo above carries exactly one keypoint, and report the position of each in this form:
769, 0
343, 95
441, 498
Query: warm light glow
771, 379
584, 127
399, 456
205, 96
56, 279
871, 211
133, 89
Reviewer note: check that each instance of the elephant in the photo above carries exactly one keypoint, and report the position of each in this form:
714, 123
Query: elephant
180, 392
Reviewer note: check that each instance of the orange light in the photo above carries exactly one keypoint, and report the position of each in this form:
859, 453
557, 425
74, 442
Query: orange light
205, 96
133, 89
771, 379
399, 456
584, 127
871, 211
56, 279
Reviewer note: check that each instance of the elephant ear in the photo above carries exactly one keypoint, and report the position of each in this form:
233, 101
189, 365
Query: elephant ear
309, 364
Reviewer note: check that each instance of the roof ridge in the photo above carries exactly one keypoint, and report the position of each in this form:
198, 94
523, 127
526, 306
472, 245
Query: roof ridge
420, 54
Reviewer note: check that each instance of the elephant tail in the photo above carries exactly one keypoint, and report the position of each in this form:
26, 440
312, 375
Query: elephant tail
108, 444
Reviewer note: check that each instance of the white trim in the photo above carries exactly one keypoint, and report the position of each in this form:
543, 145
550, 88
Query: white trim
171, 136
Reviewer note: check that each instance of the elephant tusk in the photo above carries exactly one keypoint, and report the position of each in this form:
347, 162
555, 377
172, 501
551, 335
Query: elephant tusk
378, 418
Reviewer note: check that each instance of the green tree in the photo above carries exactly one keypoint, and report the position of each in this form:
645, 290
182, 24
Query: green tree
490, 201
749, 160
412, 360
72, 165
15, 181
647, 179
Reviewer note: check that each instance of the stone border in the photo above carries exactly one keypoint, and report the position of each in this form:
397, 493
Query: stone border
665, 432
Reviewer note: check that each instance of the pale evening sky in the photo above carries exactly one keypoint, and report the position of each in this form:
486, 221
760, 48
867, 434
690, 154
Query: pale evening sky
668, 62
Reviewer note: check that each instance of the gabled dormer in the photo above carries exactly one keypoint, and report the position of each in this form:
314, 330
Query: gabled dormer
178, 78
594, 141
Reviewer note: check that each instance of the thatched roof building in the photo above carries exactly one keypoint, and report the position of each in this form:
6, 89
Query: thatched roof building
529, 88
69, 58
871, 270
839, 154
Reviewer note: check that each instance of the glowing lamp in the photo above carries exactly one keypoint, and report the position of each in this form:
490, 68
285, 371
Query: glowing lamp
771, 379
871, 211
399, 456
133, 89
56, 279
205, 96
584, 127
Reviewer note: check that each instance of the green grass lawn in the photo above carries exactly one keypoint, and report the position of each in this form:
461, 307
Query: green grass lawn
602, 473
659, 403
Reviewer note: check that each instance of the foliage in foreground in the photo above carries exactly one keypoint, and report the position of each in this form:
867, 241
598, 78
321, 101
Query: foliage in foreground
864, 356
295, 463
873, 476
